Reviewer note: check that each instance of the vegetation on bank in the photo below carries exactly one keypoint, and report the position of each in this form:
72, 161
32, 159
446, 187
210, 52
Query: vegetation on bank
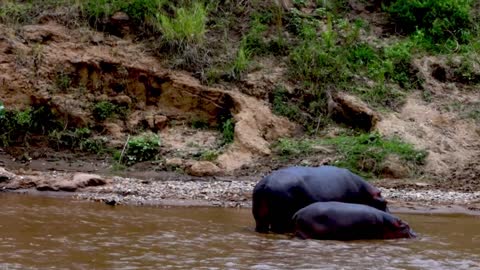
323, 49
364, 153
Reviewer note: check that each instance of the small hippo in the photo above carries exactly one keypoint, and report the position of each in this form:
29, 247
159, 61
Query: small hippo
283, 192
348, 221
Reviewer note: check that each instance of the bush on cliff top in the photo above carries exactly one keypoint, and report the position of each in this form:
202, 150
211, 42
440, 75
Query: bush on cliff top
440, 19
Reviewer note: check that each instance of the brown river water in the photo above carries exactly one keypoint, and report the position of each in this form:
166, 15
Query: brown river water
52, 233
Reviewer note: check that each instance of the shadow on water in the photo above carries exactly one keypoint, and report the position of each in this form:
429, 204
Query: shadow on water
40, 232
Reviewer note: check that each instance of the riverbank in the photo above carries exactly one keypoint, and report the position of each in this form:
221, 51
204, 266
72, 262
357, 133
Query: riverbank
173, 189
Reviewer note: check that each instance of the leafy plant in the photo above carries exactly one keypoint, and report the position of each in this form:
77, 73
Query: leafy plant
142, 147
104, 110
440, 19
2, 110
69, 139
228, 131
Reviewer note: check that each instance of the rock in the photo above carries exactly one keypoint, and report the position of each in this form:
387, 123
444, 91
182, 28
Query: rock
6, 175
393, 168
88, 180
149, 118
322, 149
119, 24
285, 4
203, 168
134, 120
44, 33
422, 184
120, 16
122, 100
114, 130
174, 162
46, 187
350, 110
160, 122
65, 185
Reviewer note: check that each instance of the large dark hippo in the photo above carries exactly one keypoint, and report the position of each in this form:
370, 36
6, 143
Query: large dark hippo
282, 193
348, 221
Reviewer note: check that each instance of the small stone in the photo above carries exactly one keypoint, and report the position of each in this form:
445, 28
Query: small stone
68, 186
422, 184
174, 162
6, 175
122, 100
203, 168
46, 187
160, 121
88, 180
393, 168
120, 16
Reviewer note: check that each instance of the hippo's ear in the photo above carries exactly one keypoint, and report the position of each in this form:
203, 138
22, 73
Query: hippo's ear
399, 223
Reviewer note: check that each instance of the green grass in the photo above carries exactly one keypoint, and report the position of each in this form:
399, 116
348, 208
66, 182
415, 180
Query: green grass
363, 154
209, 155
241, 63
14, 12
288, 147
187, 26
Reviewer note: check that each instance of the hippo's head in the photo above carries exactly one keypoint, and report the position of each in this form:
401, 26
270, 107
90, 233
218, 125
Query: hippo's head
398, 228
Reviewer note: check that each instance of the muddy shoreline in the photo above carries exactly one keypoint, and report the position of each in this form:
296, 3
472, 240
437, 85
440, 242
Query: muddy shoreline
144, 184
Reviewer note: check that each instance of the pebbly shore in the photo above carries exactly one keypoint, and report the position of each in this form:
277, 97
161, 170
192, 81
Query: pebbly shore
238, 193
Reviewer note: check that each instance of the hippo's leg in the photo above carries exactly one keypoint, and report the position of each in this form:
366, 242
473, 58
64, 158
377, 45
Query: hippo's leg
260, 213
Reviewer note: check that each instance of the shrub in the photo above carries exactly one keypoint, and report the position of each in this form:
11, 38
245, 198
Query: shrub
440, 19
70, 138
253, 41
199, 123
143, 13
228, 131
143, 147
281, 106
104, 110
